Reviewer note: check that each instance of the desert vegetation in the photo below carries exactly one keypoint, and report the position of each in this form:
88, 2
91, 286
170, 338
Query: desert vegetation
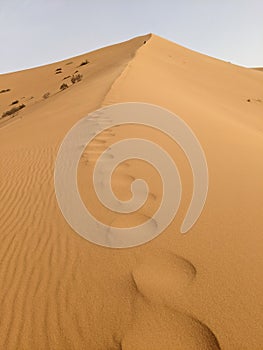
63, 86
84, 63
4, 90
14, 103
46, 95
13, 110
76, 78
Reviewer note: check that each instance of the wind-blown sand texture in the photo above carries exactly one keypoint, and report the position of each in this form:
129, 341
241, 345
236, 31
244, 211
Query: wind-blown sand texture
202, 290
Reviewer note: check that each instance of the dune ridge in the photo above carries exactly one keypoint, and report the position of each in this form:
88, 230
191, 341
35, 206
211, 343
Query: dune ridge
202, 290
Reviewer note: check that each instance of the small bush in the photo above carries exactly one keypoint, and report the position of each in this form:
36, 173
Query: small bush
84, 63
76, 78
4, 90
46, 95
63, 86
13, 110
14, 102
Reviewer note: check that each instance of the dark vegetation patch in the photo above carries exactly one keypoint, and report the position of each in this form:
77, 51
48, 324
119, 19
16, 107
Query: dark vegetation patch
14, 103
46, 95
13, 110
76, 78
84, 63
4, 90
63, 86
254, 100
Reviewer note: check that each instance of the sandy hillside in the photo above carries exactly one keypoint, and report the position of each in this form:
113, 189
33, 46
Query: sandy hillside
202, 290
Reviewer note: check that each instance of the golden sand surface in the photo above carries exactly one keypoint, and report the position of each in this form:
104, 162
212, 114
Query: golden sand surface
202, 290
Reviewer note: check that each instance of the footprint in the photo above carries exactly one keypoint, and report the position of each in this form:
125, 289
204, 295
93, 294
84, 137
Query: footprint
158, 321
160, 328
162, 276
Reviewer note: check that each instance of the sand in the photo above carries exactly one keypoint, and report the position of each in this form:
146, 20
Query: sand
202, 290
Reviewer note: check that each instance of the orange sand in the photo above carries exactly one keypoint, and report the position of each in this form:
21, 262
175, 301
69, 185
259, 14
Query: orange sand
202, 290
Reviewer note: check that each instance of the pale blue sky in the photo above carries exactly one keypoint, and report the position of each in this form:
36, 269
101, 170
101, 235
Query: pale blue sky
35, 32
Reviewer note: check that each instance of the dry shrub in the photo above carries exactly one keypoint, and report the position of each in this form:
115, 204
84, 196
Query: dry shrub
12, 110
63, 86
46, 95
84, 63
4, 90
76, 78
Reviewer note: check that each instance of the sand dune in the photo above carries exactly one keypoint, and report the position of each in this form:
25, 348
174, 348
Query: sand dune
202, 290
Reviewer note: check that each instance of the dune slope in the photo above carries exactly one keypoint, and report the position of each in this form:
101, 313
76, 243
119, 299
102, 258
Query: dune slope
202, 290
259, 68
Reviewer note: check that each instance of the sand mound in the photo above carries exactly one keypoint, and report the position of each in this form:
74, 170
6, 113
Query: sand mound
202, 290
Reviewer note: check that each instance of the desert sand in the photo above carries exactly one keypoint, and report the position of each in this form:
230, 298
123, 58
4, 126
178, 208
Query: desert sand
202, 290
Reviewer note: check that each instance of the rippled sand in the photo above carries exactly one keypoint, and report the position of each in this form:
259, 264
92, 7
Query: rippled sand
202, 290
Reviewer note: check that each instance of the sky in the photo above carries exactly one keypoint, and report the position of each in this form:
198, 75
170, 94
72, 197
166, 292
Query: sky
35, 32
